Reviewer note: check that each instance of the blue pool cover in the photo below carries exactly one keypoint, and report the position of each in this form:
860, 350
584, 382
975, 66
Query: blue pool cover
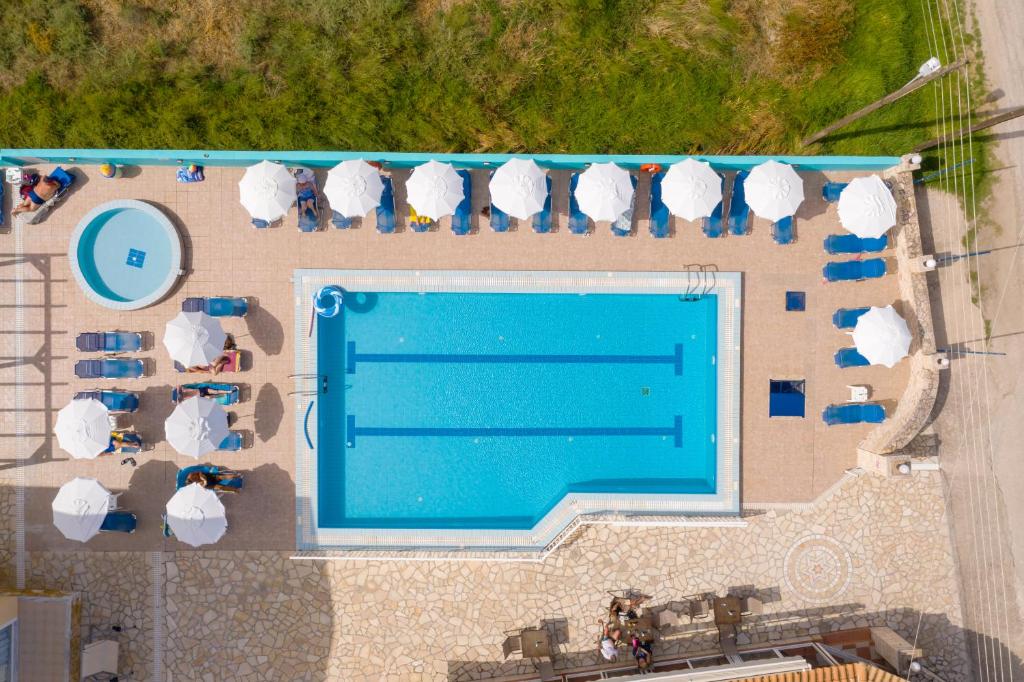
483, 410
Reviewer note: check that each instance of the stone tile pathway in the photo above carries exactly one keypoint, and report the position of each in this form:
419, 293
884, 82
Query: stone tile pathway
876, 552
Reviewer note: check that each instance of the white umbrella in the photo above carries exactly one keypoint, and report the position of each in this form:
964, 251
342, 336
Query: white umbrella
194, 339
197, 426
196, 515
866, 207
882, 336
79, 508
691, 189
604, 192
434, 189
519, 188
774, 190
83, 428
267, 190
353, 188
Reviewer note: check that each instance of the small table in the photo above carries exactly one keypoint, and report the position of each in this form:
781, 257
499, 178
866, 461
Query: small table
727, 611
535, 643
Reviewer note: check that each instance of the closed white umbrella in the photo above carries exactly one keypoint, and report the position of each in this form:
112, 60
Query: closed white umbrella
197, 426
267, 190
196, 515
194, 339
79, 508
353, 188
83, 428
882, 336
774, 190
519, 188
604, 191
434, 189
691, 189
867, 207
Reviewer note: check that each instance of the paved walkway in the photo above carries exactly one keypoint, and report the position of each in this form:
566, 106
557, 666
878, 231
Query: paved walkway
876, 552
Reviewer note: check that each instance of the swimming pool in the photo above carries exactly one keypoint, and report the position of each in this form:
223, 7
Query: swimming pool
476, 406
125, 254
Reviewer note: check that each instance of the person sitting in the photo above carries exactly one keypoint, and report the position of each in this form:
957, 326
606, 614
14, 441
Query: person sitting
38, 194
622, 609
610, 637
643, 653
305, 190
213, 481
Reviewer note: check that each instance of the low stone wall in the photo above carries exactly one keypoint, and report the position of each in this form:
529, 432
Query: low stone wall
915, 406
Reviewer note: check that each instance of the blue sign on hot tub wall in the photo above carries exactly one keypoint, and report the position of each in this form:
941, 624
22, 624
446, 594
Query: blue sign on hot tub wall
136, 258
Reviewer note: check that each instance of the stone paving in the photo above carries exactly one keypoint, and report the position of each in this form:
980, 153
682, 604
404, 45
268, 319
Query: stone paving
876, 552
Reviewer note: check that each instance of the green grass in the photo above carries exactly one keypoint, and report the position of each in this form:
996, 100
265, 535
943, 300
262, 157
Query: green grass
582, 76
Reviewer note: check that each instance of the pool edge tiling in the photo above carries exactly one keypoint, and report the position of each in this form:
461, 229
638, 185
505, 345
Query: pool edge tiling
722, 505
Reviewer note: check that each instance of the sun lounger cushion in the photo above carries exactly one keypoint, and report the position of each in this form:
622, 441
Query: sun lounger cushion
386, 209
659, 224
542, 220
578, 221
846, 318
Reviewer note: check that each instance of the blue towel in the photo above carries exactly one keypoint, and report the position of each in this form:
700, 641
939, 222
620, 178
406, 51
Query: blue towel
184, 175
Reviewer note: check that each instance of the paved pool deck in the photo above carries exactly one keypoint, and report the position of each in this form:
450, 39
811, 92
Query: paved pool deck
785, 460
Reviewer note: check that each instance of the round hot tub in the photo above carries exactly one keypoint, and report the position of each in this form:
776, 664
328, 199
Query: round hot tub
125, 254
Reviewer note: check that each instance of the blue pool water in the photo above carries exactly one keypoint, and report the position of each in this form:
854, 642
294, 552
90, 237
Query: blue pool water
477, 410
126, 252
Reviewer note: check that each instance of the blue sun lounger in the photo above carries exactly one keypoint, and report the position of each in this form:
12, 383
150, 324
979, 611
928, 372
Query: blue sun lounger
340, 221
462, 219
623, 225
831, 190
739, 211
853, 270
309, 217
542, 220
260, 223
109, 368
210, 470
782, 231
858, 413
849, 357
229, 393
216, 306
712, 224
115, 401
109, 342
846, 318
500, 221
386, 210
659, 224
119, 521
851, 243
64, 179
233, 442
578, 221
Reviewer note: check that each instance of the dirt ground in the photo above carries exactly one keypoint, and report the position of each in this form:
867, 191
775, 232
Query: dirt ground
979, 426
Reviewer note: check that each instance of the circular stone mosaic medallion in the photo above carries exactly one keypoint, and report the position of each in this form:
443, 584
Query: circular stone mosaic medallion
817, 568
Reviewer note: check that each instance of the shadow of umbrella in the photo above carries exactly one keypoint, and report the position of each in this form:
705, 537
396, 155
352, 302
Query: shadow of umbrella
266, 331
269, 412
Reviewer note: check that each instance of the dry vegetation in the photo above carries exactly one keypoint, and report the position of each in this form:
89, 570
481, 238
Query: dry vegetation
469, 75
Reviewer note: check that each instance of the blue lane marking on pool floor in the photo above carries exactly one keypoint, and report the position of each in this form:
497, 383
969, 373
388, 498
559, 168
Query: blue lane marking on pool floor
353, 358
352, 431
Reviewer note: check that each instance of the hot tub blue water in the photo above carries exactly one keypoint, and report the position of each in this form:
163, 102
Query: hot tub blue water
125, 254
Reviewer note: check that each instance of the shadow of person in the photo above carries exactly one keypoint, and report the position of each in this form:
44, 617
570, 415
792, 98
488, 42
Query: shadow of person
266, 331
269, 412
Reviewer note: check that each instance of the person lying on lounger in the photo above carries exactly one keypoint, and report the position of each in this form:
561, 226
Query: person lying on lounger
37, 195
305, 190
121, 439
216, 366
643, 652
213, 481
184, 393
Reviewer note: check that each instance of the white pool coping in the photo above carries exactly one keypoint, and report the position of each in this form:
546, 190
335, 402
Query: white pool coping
173, 272
644, 509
